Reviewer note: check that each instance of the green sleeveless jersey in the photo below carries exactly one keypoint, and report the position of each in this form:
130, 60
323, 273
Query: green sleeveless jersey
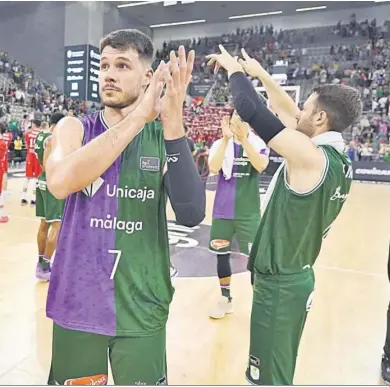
40, 145
292, 229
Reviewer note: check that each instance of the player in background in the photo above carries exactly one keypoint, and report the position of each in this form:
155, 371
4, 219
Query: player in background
33, 168
237, 159
48, 208
385, 366
304, 199
7, 137
3, 158
110, 287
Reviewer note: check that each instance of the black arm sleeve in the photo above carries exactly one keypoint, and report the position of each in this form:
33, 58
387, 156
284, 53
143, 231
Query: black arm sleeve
182, 182
252, 110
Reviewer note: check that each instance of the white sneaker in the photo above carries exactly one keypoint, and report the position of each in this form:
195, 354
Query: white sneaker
223, 307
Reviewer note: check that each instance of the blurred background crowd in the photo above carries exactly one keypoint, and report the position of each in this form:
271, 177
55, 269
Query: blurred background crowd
353, 52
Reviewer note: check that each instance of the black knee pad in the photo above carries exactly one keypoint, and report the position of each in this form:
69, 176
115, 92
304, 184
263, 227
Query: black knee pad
252, 278
223, 266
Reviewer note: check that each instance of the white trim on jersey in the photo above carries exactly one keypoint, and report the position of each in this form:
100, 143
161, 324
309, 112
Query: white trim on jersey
317, 186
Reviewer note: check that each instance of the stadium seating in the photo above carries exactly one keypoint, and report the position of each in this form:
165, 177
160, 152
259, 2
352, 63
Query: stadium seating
355, 53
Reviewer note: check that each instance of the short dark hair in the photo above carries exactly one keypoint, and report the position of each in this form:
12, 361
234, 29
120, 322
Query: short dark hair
37, 123
342, 104
129, 38
56, 118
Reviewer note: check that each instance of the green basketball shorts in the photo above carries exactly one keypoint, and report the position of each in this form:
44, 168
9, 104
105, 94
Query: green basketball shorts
279, 309
80, 358
47, 206
224, 230
40, 200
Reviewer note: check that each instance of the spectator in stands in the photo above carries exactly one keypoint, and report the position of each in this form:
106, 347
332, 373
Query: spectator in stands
18, 144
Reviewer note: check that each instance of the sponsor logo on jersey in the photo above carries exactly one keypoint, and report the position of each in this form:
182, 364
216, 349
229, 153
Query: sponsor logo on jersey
348, 171
94, 380
219, 244
139, 383
243, 161
338, 195
149, 164
142, 194
91, 189
113, 223
41, 184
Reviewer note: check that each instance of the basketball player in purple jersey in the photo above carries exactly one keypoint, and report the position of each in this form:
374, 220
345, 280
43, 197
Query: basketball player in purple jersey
110, 285
237, 159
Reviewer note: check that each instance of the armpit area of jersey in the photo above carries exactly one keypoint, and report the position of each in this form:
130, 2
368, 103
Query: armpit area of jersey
184, 186
252, 110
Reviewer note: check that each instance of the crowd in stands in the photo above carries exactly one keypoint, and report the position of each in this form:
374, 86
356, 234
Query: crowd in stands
22, 95
354, 52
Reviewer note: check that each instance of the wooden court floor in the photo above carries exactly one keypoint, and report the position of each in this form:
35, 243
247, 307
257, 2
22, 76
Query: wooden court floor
342, 342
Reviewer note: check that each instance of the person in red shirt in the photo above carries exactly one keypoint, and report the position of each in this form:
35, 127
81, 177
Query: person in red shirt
7, 138
33, 168
3, 152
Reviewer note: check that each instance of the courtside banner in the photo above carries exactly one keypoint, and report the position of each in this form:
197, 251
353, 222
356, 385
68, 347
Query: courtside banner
362, 170
371, 171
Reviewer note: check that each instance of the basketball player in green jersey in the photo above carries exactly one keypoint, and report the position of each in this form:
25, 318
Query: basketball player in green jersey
48, 208
110, 288
304, 199
237, 159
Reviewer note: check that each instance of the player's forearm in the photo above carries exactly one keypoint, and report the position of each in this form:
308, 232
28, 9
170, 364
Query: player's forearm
173, 128
282, 104
182, 181
258, 160
215, 162
82, 167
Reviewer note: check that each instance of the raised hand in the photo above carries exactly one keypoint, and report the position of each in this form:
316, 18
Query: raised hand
177, 78
250, 65
225, 124
224, 60
239, 128
149, 107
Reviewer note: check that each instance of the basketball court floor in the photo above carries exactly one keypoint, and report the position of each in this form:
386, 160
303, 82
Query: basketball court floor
342, 342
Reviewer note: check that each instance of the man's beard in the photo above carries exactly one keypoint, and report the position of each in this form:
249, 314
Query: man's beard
123, 103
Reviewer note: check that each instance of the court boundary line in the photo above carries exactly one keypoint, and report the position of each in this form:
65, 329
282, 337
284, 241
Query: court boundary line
318, 266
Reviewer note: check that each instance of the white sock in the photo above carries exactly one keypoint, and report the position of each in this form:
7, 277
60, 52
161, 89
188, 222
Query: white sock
34, 184
2, 208
25, 189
